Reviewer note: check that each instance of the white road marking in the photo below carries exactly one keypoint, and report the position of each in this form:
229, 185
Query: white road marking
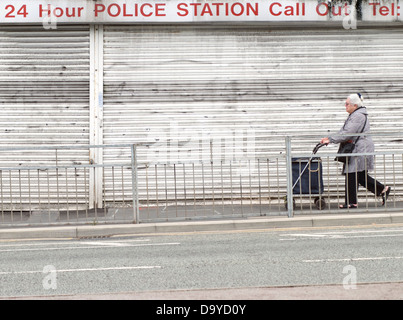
352, 259
364, 231
92, 246
69, 243
105, 243
82, 270
316, 235
345, 234
343, 237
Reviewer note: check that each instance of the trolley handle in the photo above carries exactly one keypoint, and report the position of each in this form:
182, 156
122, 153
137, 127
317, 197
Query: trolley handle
318, 146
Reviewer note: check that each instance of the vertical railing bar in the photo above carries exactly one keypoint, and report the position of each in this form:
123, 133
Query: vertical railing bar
212, 174
222, 186
39, 191
259, 187
104, 195
194, 188
231, 185
184, 189
384, 178
320, 179
20, 190
1, 195
348, 180
57, 190
212, 184
11, 196
310, 178
175, 192
113, 186
268, 182
135, 184
166, 188
338, 184
123, 185
67, 195
375, 178
278, 184
356, 177
328, 182
147, 194
57, 181
250, 187
86, 200
240, 187
75, 180
300, 192
49, 205
318, 199
366, 184
156, 189
394, 178
289, 177
204, 194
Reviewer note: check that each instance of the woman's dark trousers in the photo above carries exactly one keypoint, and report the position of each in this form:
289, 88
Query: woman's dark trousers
364, 179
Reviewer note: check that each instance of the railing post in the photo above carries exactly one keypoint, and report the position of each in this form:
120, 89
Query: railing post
290, 200
96, 115
134, 184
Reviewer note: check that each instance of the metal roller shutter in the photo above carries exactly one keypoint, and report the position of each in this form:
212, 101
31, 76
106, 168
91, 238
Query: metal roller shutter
44, 100
238, 90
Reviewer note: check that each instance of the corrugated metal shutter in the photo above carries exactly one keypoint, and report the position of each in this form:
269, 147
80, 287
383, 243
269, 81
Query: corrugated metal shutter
181, 87
44, 100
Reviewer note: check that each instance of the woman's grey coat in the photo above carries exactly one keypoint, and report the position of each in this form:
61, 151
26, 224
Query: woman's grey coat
354, 124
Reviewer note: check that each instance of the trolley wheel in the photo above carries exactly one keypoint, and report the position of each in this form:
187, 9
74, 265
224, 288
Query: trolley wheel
286, 203
320, 203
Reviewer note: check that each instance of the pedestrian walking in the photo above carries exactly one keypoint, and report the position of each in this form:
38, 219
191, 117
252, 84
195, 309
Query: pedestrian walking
357, 167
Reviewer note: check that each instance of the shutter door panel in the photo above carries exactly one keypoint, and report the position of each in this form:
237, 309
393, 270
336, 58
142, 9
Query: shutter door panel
206, 87
44, 100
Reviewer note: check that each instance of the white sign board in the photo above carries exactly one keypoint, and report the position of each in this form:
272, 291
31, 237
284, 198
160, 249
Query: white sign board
156, 11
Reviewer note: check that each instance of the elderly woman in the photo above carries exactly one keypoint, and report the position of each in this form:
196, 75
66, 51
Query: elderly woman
356, 170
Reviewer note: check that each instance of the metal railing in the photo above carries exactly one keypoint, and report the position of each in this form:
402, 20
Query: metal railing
64, 185
56, 185
326, 181
212, 189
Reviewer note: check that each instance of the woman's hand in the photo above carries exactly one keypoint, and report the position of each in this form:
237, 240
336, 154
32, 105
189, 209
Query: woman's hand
325, 141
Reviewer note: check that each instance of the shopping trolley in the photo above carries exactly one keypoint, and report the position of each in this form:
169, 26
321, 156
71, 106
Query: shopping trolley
307, 178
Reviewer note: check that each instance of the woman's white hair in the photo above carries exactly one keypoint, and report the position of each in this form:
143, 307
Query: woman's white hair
356, 99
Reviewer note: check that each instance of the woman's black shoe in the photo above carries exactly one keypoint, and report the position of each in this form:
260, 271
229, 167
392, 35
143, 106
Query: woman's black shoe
385, 195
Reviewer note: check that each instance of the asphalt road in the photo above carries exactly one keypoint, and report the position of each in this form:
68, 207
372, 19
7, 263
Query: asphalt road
250, 260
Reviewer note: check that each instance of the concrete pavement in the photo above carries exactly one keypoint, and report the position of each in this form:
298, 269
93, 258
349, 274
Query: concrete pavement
108, 230
363, 291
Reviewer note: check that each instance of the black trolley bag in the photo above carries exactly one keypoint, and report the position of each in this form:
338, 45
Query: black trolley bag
307, 178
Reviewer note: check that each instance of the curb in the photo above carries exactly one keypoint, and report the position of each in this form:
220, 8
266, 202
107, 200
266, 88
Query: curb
87, 231
363, 291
